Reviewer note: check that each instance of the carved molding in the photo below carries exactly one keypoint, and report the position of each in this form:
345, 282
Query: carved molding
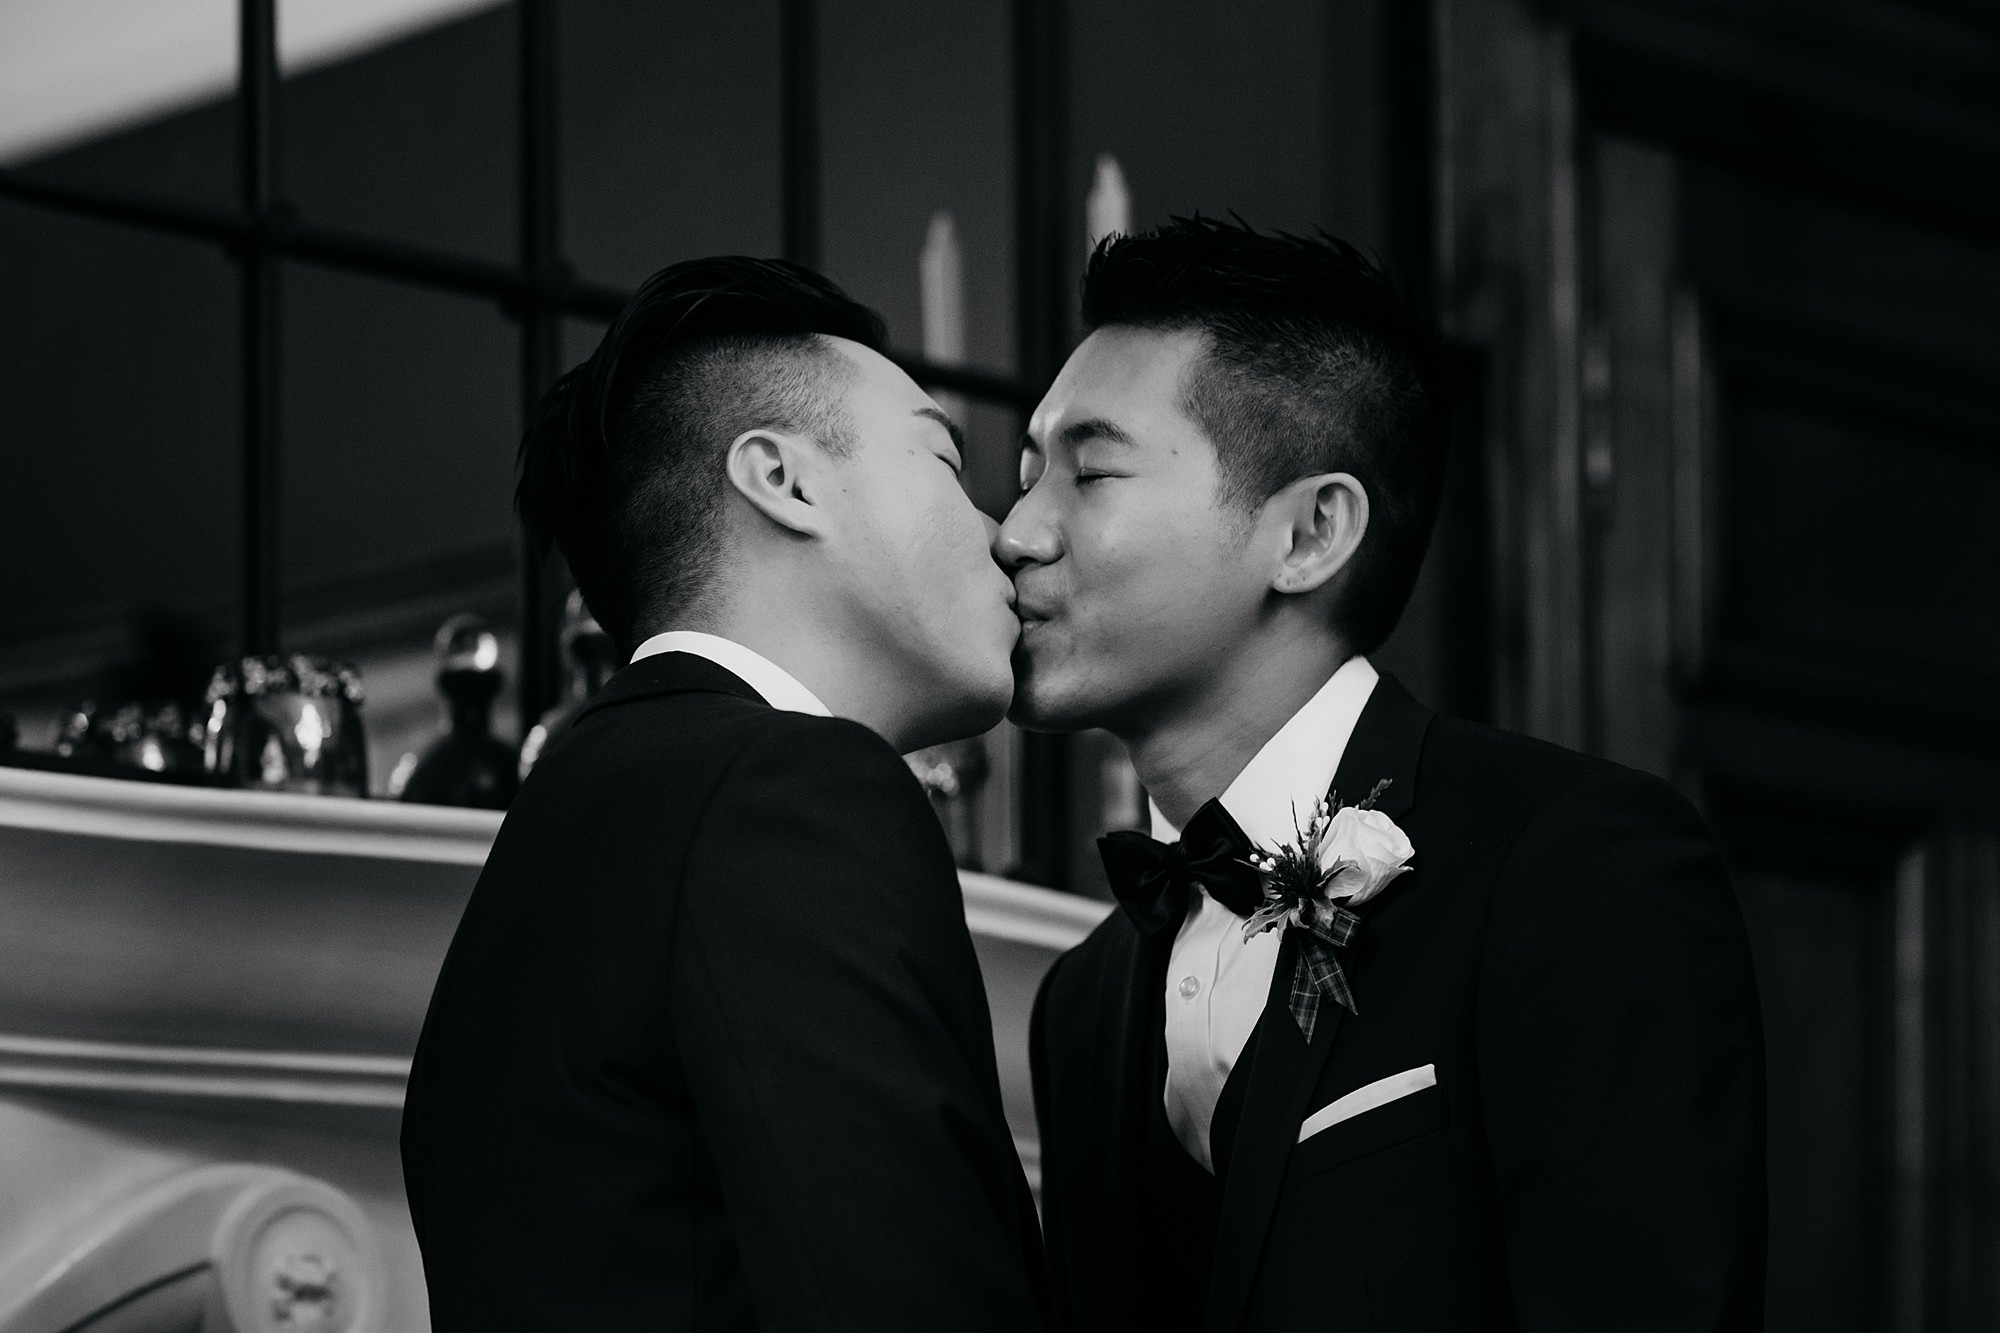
1510, 272
229, 1248
1945, 1104
50, 1064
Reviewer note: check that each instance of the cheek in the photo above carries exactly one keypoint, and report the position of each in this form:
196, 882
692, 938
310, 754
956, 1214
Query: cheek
1154, 602
948, 525
1154, 571
949, 550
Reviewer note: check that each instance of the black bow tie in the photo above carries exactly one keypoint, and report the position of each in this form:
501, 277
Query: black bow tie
1152, 880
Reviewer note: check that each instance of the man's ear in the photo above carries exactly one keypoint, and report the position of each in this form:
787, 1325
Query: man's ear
771, 470
1316, 524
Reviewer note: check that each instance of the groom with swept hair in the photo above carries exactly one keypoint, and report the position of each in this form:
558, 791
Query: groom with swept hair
1404, 1023
710, 1048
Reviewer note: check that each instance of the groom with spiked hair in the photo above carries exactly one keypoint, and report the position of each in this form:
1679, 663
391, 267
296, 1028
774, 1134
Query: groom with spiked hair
710, 1049
1403, 1023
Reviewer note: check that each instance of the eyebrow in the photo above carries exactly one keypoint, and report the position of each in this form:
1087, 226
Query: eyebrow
951, 427
1094, 428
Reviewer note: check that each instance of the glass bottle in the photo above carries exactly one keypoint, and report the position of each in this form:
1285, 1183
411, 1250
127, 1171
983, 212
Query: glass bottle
588, 661
467, 764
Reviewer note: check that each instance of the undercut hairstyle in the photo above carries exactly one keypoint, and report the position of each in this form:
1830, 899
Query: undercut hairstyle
621, 467
1314, 361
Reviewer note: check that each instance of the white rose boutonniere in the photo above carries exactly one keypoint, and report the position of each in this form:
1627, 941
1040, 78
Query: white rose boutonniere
1343, 856
1361, 851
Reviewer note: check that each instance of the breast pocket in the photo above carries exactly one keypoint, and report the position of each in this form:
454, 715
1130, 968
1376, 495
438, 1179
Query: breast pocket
1407, 1117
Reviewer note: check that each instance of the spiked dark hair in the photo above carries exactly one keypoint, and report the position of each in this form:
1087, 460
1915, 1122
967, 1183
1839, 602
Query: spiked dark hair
620, 467
1315, 361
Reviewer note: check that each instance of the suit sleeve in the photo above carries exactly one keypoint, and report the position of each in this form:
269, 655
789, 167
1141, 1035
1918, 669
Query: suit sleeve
829, 1013
1622, 1069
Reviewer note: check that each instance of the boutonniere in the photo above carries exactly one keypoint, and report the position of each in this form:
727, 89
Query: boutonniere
1343, 856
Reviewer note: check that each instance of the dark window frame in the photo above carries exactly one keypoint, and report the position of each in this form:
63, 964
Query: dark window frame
540, 289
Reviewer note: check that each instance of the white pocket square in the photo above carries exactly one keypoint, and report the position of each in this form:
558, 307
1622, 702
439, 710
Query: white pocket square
1379, 1093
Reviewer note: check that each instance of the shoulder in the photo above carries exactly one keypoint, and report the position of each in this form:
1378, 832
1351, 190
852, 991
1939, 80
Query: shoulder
1535, 788
833, 762
822, 818
827, 799
1538, 770
1588, 857
745, 742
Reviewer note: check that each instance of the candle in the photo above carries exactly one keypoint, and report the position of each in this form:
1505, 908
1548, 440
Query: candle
1107, 210
941, 267
941, 278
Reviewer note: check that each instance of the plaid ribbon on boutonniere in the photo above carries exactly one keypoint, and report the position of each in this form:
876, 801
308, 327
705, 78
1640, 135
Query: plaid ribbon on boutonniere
1343, 856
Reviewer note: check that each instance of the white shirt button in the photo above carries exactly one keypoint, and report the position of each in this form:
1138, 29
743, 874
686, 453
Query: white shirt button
1190, 987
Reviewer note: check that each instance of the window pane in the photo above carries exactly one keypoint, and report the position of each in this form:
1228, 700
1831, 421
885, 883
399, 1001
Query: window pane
579, 339
669, 133
1280, 132
401, 416
119, 500
413, 137
918, 117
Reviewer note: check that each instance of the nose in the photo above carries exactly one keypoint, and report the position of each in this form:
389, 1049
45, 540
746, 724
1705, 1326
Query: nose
1027, 537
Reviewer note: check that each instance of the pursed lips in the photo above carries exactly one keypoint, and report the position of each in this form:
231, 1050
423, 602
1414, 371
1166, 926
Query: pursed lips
1031, 609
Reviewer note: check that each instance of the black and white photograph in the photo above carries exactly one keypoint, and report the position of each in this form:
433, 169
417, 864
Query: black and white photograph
999, 666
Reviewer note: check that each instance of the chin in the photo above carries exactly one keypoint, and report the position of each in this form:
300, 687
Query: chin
972, 718
975, 707
1039, 707
1066, 696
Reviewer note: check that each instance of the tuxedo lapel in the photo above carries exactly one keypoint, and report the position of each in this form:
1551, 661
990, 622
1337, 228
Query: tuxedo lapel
1281, 1079
1386, 743
1130, 1028
1388, 739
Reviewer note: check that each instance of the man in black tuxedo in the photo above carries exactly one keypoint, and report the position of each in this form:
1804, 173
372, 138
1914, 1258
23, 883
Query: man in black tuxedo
710, 1048
1516, 1085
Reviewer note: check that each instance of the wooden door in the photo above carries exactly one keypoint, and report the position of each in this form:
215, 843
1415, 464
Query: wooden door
1742, 455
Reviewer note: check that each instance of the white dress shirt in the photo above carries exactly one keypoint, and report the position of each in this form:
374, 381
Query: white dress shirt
1216, 981
780, 688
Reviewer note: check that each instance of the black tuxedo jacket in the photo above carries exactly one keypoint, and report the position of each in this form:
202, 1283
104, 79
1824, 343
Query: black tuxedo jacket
1568, 953
710, 1048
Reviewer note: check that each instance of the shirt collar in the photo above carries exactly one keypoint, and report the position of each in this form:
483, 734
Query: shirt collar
780, 688
1296, 765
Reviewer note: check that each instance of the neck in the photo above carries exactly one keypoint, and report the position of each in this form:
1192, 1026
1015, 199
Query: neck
793, 633
1191, 756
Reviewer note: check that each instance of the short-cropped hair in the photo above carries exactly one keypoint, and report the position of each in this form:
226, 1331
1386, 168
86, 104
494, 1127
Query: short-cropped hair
621, 467
1314, 361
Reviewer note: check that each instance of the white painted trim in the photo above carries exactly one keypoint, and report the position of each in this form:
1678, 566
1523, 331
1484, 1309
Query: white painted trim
52, 1064
338, 826
1027, 913
264, 821
61, 1048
